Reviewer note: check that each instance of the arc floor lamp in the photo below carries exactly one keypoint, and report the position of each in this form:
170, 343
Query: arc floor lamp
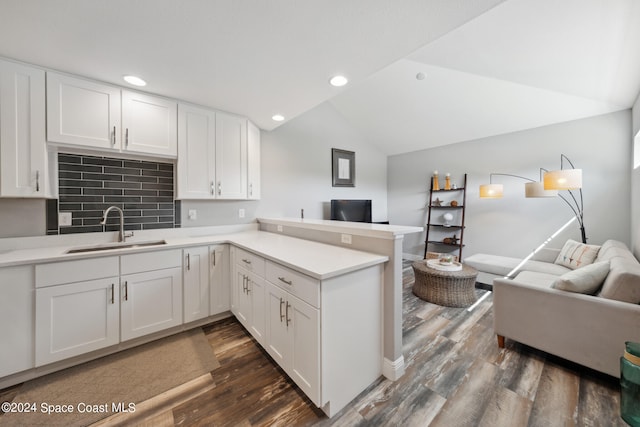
551, 182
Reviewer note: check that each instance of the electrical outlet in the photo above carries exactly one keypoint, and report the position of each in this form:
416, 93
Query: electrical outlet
280, 228
346, 238
240, 213
64, 219
193, 214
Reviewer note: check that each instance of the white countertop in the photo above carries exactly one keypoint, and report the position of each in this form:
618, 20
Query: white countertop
381, 231
317, 260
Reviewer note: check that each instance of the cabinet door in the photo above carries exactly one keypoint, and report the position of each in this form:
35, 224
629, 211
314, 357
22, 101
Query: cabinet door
149, 124
23, 151
256, 290
76, 318
304, 325
196, 153
231, 157
253, 161
219, 288
242, 297
278, 340
196, 283
150, 302
16, 315
82, 112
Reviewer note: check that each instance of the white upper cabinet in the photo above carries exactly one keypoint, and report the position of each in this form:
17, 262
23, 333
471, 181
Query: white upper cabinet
82, 112
218, 155
196, 170
149, 124
231, 156
88, 114
253, 161
24, 166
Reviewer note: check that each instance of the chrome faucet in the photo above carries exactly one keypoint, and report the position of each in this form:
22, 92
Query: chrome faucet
121, 235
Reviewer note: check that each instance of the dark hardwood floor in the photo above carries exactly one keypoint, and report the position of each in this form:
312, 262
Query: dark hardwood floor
455, 376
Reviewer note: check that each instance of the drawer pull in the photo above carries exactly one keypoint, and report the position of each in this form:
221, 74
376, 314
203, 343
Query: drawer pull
288, 282
281, 304
246, 261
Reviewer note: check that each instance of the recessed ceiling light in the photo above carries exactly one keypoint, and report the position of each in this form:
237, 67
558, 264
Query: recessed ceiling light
134, 80
338, 81
278, 117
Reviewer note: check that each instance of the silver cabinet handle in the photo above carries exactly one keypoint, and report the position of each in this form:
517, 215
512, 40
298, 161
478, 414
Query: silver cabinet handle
248, 287
213, 188
213, 260
281, 304
112, 294
126, 291
288, 282
113, 136
188, 261
219, 188
246, 261
244, 284
37, 181
251, 189
287, 313
126, 137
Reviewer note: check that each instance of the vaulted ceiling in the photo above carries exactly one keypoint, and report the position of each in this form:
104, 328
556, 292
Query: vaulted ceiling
489, 66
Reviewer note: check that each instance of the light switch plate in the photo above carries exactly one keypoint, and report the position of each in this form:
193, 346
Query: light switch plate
346, 238
64, 219
193, 214
280, 228
240, 213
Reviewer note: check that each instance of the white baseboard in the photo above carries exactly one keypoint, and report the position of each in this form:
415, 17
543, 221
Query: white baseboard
393, 370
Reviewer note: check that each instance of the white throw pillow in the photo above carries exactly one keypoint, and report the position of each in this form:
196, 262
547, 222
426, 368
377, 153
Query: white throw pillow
575, 254
585, 280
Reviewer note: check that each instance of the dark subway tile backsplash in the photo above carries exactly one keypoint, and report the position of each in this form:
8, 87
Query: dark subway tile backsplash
89, 184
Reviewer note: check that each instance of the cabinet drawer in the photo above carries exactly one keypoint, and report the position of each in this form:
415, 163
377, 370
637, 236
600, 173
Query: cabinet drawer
57, 273
147, 261
304, 287
249, 261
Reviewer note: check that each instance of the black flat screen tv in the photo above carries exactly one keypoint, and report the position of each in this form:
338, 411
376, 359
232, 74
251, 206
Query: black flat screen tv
351, 210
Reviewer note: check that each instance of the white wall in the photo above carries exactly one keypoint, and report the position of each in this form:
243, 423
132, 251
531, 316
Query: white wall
513, 225
296, 167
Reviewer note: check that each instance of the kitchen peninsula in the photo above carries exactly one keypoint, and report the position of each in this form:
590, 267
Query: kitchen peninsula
332, 292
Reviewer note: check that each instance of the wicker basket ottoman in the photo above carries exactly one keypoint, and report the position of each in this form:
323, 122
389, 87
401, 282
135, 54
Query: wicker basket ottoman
450, 288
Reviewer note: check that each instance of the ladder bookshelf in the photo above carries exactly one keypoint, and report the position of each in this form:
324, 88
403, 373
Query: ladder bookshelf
437, 227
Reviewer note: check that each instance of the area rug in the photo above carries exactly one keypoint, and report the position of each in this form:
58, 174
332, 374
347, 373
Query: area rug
86, 393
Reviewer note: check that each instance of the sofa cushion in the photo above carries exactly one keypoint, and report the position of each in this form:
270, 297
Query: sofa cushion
575, 254
623, 281
584, 280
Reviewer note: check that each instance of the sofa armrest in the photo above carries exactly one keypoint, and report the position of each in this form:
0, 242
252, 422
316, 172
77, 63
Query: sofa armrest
585, 329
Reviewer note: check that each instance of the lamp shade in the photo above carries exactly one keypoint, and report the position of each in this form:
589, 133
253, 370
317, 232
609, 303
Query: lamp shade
536, 189
565, 179
491, 191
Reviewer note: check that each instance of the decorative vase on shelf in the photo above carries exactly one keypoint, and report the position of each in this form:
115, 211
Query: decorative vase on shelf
436, 184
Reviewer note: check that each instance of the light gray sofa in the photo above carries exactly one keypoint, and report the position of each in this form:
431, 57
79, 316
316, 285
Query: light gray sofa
587, 329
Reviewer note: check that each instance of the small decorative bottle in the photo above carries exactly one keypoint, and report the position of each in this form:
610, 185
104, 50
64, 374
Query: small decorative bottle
447, 182
436, 184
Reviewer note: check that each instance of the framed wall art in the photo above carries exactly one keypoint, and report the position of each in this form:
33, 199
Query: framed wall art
343, 168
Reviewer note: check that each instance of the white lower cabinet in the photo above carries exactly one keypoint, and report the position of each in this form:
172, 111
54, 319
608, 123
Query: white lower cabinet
219, 280
249, 290
76, 318
293, 339
195, 266
150, 302
17, 316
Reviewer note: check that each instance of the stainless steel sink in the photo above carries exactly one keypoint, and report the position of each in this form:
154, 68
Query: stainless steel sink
112, 246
